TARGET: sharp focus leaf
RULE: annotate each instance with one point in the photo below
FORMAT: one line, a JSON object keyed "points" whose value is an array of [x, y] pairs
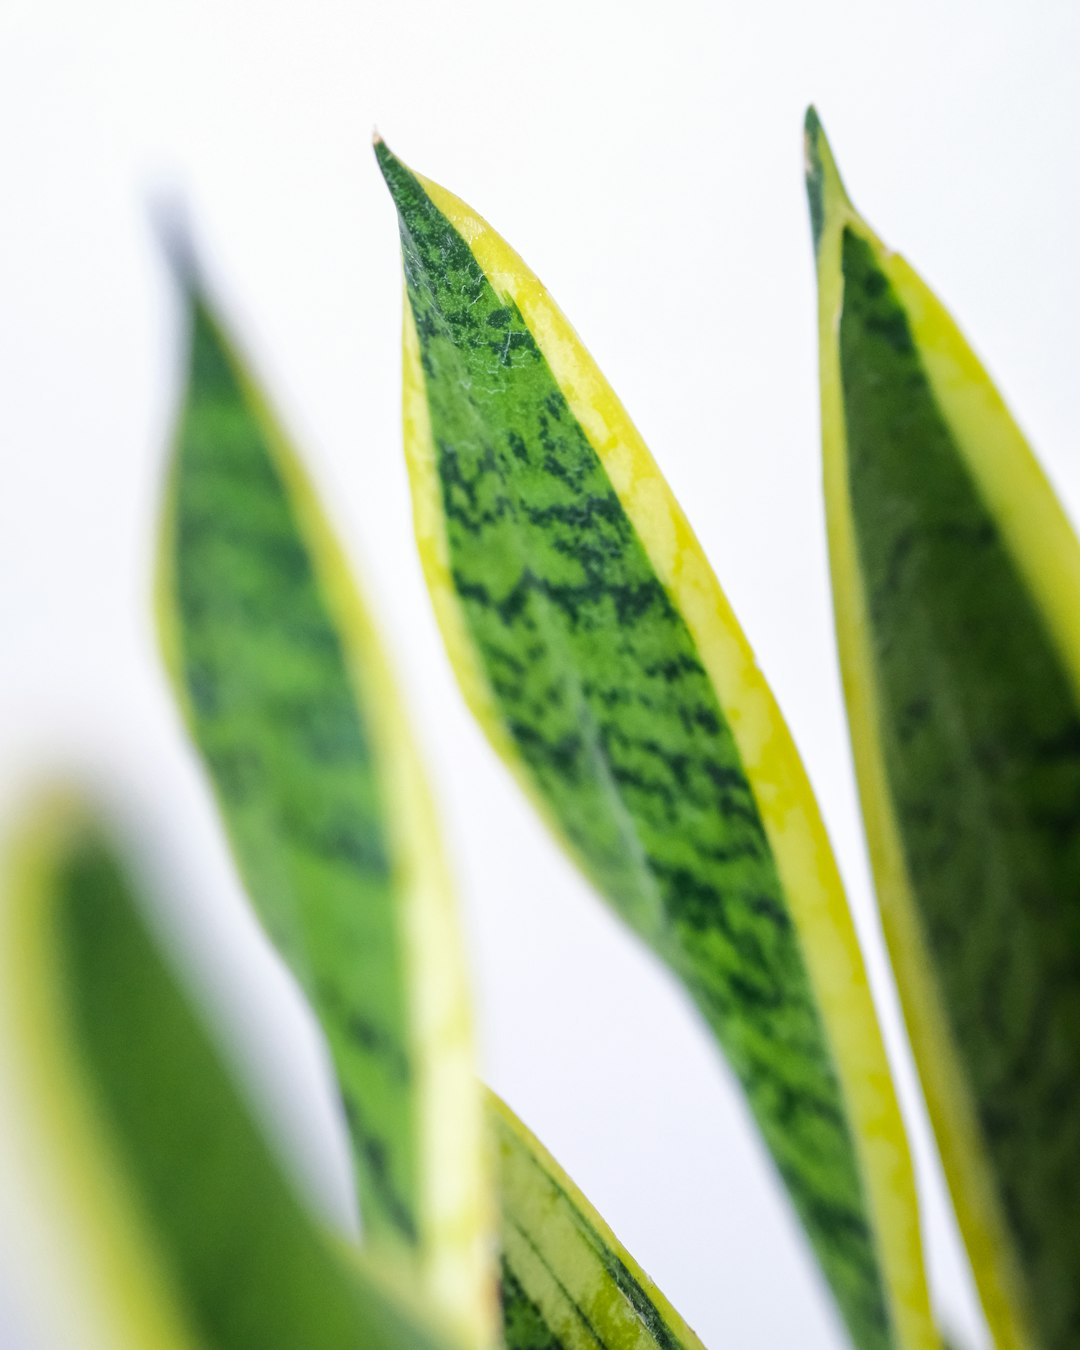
{"points": [[185, 1227], [289, 701], [599, 654], [957, 588], [568, 1283]]}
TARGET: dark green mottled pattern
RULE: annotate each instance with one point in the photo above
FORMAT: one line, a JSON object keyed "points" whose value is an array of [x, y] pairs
{"points": [[249, 1269], [599, 683], [981, 740], [276, 717]]}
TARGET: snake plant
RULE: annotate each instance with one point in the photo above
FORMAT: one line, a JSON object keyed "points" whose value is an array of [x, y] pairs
{"points": [[596, 649]]}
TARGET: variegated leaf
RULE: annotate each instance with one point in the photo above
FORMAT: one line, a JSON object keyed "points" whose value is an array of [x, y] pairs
{"points": [[293, 709], [956, 579], [599, 654]]}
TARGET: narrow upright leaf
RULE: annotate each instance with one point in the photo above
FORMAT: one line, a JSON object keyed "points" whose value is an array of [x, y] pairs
{"points": [[567, 1281], [957, 587], [595, 647], [290, 703], [187, 1234]]}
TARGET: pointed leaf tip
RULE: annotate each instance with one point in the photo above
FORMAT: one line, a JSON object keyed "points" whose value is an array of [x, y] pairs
{"points": [[170, 221], [408, 193], [385, 156], [390, 166], [824, 186]]}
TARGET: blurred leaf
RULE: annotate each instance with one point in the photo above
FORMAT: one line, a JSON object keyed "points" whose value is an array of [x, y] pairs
{"points": [[291, 705], [596, 649], [568, 1283], [183, 1219], [957, 587]]}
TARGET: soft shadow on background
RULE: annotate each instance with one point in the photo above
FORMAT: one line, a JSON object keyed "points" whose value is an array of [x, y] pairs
{"points": [[646, 161]]}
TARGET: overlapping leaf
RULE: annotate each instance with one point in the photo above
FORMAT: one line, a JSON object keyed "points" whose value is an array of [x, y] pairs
{"points": [[597, 650], [186, 1231], [957, 586], [289, 701]]}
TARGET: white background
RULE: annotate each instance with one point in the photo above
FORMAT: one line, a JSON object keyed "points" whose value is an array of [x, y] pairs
{"points": [[646, 160]]}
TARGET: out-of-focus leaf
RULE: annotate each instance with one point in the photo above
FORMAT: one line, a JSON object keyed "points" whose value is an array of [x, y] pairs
{"points": [[567, 1281], [186, 1230], [957, 588], [288, 699], [599, 654]]}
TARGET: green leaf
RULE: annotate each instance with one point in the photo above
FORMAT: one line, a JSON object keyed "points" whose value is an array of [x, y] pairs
{"points": [[595, 647], [290, 703], [957, 592], [185, 1232], [567, 1281]]}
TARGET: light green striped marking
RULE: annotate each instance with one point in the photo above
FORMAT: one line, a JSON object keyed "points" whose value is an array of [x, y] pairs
{"points": [[568, 1283]]}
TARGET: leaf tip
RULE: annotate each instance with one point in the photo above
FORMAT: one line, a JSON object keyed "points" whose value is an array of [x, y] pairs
{"points": [[171, 224], [824, 187], [404, 188], [384, 155]]}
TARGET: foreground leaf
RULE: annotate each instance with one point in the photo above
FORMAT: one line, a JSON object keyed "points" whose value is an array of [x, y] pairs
{"points": [[600, 656], [186, 1231], [568, 1283], [289, 700], [957, 587]]}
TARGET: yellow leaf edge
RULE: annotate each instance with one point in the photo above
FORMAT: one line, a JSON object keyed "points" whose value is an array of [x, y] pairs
{"points": [[785, 800], [1009, 468], [457, 1217]]}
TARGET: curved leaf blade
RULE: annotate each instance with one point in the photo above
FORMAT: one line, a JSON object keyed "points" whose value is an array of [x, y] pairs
{"points": [[956, 579], [186, 1225], [291, 705], [567, 1281], [596, 649]]}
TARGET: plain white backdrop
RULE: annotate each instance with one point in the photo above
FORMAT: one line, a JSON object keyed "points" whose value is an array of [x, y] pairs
{"points": [[646, 160]]}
